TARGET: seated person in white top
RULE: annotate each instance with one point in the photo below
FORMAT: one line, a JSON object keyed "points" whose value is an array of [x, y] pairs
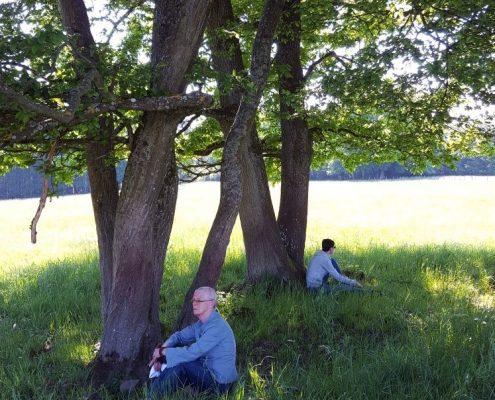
{"points": [[322, 266]]}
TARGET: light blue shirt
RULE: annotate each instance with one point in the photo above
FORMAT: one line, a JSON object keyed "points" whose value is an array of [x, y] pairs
{"points": [[320, 266], [211, 341]]}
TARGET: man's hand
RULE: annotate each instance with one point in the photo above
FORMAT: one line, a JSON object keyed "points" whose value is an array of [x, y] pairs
{"points": [[156, 355], [157, 366]]}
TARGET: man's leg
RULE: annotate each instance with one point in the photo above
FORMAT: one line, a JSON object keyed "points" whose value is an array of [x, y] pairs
{"points": [[325, 286], [169, 380], [192, 373], [198, 376]]}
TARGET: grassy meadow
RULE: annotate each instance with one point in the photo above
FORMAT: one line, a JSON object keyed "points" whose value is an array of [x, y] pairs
{"points": [[427, 332]]}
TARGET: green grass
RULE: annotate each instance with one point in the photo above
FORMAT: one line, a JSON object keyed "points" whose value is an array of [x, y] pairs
{"points": [[427, 332]]}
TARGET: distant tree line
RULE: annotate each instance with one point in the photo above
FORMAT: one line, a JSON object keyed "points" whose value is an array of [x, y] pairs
{"points": [[467, 166], [27, 182], [22, 183]]}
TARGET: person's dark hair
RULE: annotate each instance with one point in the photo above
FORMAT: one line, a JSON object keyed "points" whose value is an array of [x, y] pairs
{"points": [[327, 244]]}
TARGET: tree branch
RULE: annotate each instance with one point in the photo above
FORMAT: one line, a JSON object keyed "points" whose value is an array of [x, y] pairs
{"points": [[183, 104], [206, 169], [28, 134], [77, 93], [188, 124], [30, 105], [44, 193], [328, 54], [206, 151], [122, 18], [271, 154], [186, 103], [65, 116]]}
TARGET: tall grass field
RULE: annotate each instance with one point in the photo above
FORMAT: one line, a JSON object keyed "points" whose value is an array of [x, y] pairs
{"points": [[427, 331]]}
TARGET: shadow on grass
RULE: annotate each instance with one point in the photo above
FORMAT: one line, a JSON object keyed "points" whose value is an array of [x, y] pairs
{"points": [[427, 335], [51, 322]]}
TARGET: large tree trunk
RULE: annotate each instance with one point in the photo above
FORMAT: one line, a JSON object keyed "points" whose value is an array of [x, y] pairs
{"points": [[231, 188], [104, 196], [102, 174], [296, 139], [265, 252], [147, 201], [142, 229]]}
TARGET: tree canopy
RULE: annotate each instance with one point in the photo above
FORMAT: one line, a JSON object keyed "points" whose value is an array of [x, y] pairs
{"points": [[384, 81]]}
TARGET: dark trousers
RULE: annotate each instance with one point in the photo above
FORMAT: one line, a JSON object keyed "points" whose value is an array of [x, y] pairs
{"points": [[193, 374]]}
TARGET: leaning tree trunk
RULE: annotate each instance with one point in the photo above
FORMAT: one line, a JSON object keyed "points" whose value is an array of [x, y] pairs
{"points": [[147, 201], [104, 196], [98, 151], [231, 189], [265, 252], [296, 139]]}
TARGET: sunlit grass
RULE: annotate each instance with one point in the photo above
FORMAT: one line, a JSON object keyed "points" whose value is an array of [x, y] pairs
{"points": [[427, 332]]}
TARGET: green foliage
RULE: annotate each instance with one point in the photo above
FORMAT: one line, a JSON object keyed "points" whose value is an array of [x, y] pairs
{"points": [[372, 110], [39, 64], [401, 81], [206, 133]]}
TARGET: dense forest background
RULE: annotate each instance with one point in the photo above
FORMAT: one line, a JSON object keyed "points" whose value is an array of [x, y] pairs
{"points": [[27, 182]]}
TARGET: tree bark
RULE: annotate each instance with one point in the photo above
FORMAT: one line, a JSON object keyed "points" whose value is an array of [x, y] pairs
{"points": [[104, 196], [231, 188], [146, 204], [149, 192], [296, 139], [142, 228], [265, 252], [101, 173]]}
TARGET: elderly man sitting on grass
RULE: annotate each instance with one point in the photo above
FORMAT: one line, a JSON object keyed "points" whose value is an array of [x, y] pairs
{"points": [[201, 355], [322, 266]]}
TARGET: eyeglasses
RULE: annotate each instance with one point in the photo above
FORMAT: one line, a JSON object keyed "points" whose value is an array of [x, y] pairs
{"points": [[200, 301]]}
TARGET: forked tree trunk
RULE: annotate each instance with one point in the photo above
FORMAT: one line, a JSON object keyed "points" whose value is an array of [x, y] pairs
{"points": [[142, 228], [265, 252], [231, 188], [296, 139], [147, 201]]}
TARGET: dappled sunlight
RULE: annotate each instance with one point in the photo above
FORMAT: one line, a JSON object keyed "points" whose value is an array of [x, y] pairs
{"points": [[484, 302], [81, 352], [422, 317], [442, 283], [461, 287]]}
